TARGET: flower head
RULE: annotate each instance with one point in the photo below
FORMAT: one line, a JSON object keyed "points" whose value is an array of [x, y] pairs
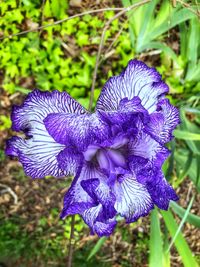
{"points": [[115, 153]]}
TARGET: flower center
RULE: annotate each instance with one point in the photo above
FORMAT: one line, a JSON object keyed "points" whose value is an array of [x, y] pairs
{"points": [[111, 159]]}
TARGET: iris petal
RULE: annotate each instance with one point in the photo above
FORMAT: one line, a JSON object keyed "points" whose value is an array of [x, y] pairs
{"points": [[80, 130], [136, 80], [161, 192], [132, 199], [37, 156], [38, 153], [163, 122], [146, 147], [90, 197]]}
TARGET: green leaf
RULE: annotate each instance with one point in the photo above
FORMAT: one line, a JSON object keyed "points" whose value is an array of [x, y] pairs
{"points": [[183, 39], [148, 19], [181, 157], [191, 218], [198, 169], [186, 168], [175, 18], [188, 126], [97, 247], [163, 47], [181, 224], [47, 9], [180, 242], [22, 90], [193, 72], [156, 252], [186, 135], [193, 41]]}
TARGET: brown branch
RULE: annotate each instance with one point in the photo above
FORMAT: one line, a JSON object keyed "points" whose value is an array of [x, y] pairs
{"points": [[71, 243], [111, 45], [63, 20], [123, 11]]}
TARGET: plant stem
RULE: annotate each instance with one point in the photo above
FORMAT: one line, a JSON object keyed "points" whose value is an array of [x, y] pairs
{"points": [[71, 243]]}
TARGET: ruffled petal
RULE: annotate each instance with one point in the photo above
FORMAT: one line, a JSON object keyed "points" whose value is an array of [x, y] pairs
{"points": [[38, 152], [105, 229], [38, 105], [136, 80], [98, 189], [38, 157], [163, 122], [151, 177], [129, 113], [160, 191], [69, 159], [132, 198], [77, 200], [79, 130], [146, 147], [93, 200]]}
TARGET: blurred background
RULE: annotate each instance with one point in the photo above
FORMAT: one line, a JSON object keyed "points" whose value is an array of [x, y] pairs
{"points": [[165, 35]]}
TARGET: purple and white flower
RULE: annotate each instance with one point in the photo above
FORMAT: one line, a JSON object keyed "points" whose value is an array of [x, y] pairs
{"points": [[116, 153]]}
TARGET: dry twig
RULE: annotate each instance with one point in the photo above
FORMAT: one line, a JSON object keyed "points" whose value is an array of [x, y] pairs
{"points": [[188, 6], [108, 51], [71, 243], [9, 190], [123, 11], [62, 20]]}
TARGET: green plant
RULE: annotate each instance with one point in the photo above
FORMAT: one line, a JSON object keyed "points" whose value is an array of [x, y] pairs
{"points": [[148, 25]]}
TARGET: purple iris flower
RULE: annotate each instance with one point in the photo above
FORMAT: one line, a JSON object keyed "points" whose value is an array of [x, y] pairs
{"points": [[116, 153]]}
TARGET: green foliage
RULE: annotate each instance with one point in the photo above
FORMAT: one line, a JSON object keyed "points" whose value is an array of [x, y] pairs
{"points": [[57, 57], [155, 245], [5, 122], [63, 57], [2, 155], [97, 247], [191, 218], [148, 30], [148, 25], [180, 243]]}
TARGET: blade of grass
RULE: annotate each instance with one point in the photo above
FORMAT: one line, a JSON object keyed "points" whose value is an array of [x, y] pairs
{"points": [[186, 168], [181, 158], [97, 247], [193, 72], [188, 126], [184, 135], [156, 252], [170, 168], [192, 110], [193, 41], [166, 255], [198, 169], [183, 39], [148, 20], [181, 224], [191, 218], [158, 45], [180, 242], [176, 18]]}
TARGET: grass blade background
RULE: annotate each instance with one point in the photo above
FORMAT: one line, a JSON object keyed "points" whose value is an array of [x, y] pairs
{"points": [[156, 244], [181, 223], [180, 242], [97, 247], [186, 135], [191, 218]]}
